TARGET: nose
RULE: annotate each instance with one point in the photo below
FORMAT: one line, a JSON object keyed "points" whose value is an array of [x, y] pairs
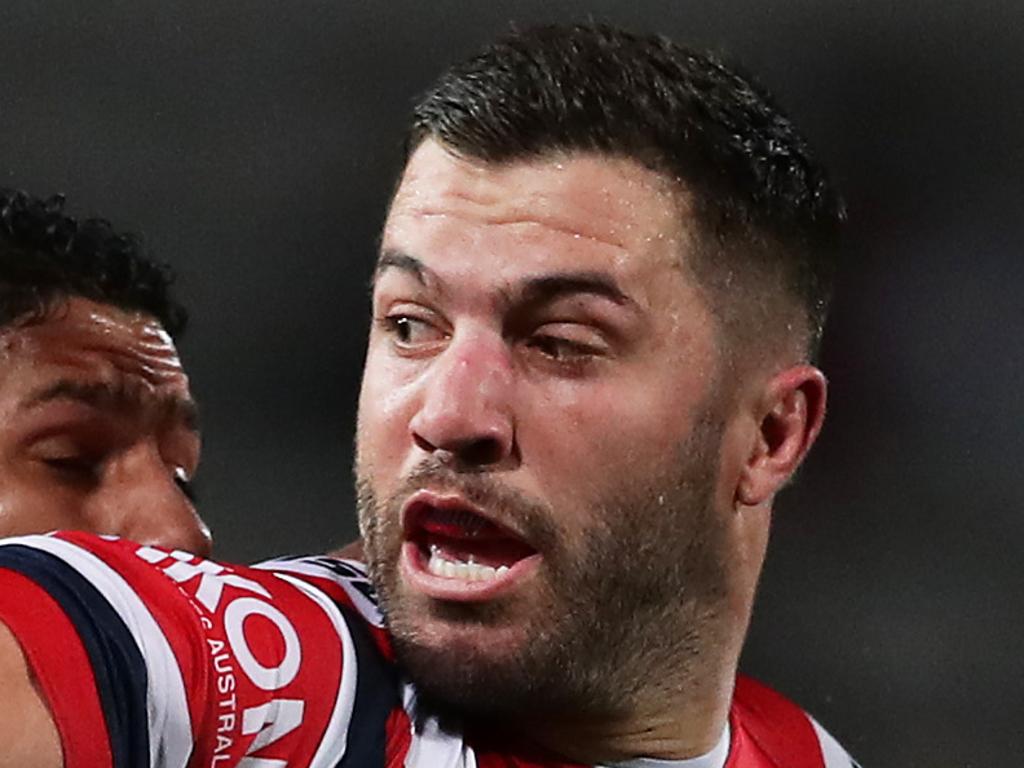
{"points": [[466, 414], [140, 500]]}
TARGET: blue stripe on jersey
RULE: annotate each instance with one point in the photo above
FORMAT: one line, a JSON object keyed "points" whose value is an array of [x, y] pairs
{"points": [[117, 663], [377, 694]]}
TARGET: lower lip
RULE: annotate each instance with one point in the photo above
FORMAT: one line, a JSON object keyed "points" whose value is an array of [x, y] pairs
{"points": [[413, 566]]}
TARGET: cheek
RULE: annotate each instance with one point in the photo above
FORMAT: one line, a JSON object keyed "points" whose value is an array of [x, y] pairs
{"points": [[27, 507], [607, 431], [385, 409], [575, 449]]}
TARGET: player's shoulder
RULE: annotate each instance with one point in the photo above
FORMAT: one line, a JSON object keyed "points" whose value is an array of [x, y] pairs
{"points": [[131, 573], [327, 572], [771, 731], [82, 568], [347, 584], [179, 655]]}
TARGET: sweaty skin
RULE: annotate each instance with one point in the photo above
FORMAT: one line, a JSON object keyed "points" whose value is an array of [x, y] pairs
{"points": [[98, 429], [541, 355], [98, 432]]}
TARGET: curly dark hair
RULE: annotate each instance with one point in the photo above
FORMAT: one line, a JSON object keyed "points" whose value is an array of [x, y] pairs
{"points": [[47, 256], [758, 192]]}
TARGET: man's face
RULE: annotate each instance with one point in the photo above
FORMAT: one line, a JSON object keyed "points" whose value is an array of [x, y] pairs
{"points": [[98, 430], [539, 432]]}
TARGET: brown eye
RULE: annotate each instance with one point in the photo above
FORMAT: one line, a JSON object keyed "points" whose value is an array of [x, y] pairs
{"points": [[404, 328], [410, 332], [568, 342], [562, 349]]}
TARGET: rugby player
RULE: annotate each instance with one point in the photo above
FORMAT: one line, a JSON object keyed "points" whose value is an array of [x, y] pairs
{"points": [[602, 280], [98, 430]]}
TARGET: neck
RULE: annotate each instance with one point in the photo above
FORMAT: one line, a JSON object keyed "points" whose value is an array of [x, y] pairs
{"points": [[668, 725], [678, 709]]}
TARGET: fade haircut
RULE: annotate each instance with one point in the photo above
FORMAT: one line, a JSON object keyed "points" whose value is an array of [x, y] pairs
{"points": [[47, 257], [767, 218]]}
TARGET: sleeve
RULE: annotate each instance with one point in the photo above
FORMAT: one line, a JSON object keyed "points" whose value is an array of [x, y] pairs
{"points": [[149, 657]]}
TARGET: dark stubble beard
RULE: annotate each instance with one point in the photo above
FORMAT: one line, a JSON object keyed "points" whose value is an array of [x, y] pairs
{"points": [[628, 608]]}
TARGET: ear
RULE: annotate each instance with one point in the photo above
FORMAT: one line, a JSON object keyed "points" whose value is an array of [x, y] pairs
{"points": [[791, 411]]}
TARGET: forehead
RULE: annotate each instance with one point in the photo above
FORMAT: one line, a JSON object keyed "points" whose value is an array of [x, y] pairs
{"points": [[585, 210], [85, 340]]}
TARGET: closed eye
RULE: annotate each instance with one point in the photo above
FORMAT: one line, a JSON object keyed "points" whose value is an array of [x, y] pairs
{"points": [[74, 470], [72, 463]]}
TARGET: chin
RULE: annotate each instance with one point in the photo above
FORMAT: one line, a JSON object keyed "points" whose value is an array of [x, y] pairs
{"points": [[465, 678], [464, 662], [456, 634]]}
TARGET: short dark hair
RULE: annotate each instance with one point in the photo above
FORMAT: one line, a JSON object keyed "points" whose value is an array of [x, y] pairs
{"points": [[47, 256], [757, 190]]}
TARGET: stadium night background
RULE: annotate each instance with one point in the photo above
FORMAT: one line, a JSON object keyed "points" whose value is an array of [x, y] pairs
{"points": [[254, 144]]}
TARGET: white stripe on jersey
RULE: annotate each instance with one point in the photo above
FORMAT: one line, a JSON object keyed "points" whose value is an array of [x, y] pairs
{"points": [[835, 756], [430, 747], [335, 738], [367, 608], [170, 728]]}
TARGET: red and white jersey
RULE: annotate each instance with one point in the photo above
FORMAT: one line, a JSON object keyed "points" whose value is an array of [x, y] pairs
{"points": [[156, 658]]}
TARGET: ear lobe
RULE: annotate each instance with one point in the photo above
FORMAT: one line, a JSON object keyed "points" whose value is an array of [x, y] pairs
{"points": [[791, 414]]}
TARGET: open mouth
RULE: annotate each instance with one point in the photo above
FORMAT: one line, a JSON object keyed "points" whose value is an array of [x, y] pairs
{"points": [[452, 551]]}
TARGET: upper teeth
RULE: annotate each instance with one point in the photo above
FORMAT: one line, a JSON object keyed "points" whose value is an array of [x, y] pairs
{"points": [[440, 565]]}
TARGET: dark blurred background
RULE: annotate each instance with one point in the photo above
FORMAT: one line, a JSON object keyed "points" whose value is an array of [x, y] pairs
{"points": [[253, 145]]}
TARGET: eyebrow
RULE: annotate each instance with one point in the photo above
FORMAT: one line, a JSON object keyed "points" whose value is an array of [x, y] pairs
{"points": [[392, 259], [545, 288], [533, 290], [108, 396]]}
